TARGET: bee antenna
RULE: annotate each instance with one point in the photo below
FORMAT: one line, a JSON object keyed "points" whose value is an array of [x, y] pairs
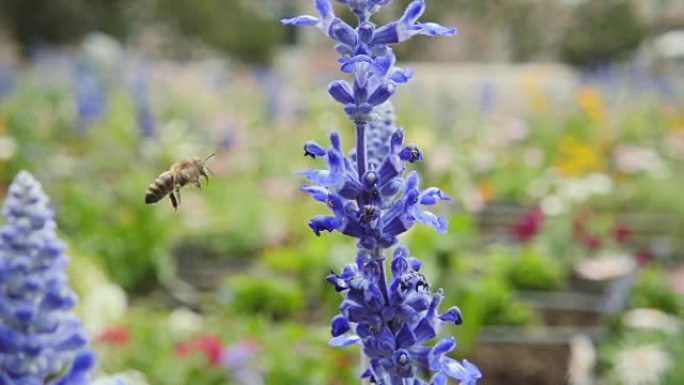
{"points": [[207, 158]]}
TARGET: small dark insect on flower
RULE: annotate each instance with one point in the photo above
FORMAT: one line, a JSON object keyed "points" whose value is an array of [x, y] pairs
{"points": [[172, 180], [369, 213]]}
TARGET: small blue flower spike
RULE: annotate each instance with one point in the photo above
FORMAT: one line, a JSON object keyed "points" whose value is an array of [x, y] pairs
{"points": [[373, 199], [41, 341]]}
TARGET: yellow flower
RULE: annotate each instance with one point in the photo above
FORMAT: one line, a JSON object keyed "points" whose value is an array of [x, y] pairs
{"points": [[487, 191], [590, 101], [531, 87], [578, 158]]}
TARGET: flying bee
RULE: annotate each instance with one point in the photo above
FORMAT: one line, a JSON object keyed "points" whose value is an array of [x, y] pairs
{"points": [[172, 180]]}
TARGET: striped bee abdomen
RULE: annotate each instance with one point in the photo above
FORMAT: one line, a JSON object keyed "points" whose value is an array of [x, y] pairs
{"points": [[159, 188]]}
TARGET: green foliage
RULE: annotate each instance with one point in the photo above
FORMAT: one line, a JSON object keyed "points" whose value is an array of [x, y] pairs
{"points": [[489, 301], [296, 354], [228, 25], [653, 290], [498, 304], [131, 240], [675, 375], [308, 264], [215, 245], [62, 21], [534, 270], [602, 31], [273, 297], [233, 203]]}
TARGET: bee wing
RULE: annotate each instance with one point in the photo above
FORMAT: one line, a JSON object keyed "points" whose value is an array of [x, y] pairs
{"points": [[174, 202]]}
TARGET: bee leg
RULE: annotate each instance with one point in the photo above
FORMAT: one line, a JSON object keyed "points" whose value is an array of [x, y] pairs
{"points": [[178, 194], [174, 202], [197, 183]]}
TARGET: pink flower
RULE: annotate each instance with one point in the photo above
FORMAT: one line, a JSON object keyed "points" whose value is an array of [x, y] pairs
{"points": [[622, 233], [116, 335], [528, 226], [210, 346]]}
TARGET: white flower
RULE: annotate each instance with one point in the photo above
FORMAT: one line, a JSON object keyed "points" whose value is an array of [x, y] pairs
{"points": [[534, 156], [632, 159], [130, 377], [102, 51], [641, 365], [582, 361], [574, 190], [483, 159], [441, 160], [8, 147], [578, 190], [674, 144], [102, 306], [110, 380], [607, 265], [516, 130], [472, 199], [600, 184], [651, 319], [184, 322], [553, 205]]}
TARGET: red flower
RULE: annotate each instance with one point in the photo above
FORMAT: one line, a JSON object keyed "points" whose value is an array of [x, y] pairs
{"points": [[592, 242], [622, 233], [581, 233], [644, 258], [528, 226], [210, 346], [116, 335]]}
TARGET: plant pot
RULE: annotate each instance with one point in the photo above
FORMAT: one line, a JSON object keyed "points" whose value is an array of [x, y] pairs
{"points": [[569, 309], [614, 292], [592, 306], [205, 272], [528, 356]]}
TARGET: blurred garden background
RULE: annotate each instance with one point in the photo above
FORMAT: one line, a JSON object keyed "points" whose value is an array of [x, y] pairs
{"points": [[557, 126]]}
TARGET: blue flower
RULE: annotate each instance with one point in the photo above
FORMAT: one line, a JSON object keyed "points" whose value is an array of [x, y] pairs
{"points": [[408, 26], [91, 97], [370, 208], [393, 328], [140, 92], [364, 51], [382, 127], [40, 338], [8, 79], [372, 199], [363, 9]]}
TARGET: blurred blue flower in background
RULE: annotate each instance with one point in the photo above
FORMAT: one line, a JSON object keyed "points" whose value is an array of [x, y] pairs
{"points": [[140, 90], [372, 200], [8, 79], [91, 96], [41, 341]]}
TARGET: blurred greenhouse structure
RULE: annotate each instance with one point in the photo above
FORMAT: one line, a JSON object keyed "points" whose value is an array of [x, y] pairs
{"points": [[556, 126]]}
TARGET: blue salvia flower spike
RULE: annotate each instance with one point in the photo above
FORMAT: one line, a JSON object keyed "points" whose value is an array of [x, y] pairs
{"points": [[41, 341], [395, 316]]}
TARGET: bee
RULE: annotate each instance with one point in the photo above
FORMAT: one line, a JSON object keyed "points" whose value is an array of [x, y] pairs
{"points": [[369, 213], [170, 181]]}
